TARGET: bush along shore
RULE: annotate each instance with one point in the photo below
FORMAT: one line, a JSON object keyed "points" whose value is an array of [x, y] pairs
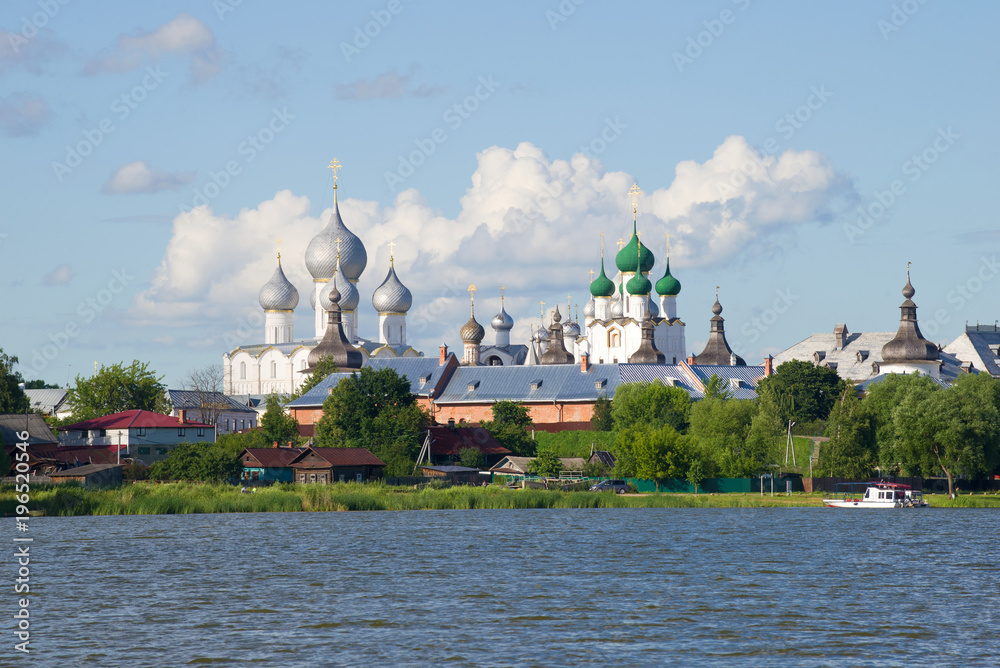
{"points": [[179, 497]]}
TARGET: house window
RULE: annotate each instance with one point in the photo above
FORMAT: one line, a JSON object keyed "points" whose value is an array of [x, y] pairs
{"points": [[227, 424], [302, 477], [359, 477], [201, 431], [141, 431], [243, 370], [181, 431], [143, 451], [161, 451], [341, 477], [312, 477]]}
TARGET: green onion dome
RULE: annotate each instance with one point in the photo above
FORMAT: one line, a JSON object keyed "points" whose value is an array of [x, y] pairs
{"points": [[634, 253], [639, 285], [602, 285], [668, 286]]}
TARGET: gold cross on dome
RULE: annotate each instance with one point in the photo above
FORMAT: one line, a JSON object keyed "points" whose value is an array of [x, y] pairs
{"points": [[668, 244], [334, 167], [620, 243], [716, 293], [472, 290], [602, 244], [635, 194], [502, 288], [278, 241], [541, 312], [591, 275], [392, 246]]}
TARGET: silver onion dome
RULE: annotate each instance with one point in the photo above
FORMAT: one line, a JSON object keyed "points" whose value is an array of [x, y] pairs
{"points": [[590, 308], [312, 299], [502, 322], [278, 294], [571, 330], [349, 295], [392, 296], [617, 307], [321, 254], [652, 308]]}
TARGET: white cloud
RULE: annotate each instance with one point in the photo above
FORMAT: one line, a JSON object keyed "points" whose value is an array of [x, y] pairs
{"points": [[527, 221], [23, 114], [184, 35], [387, 85], [138, 177], [61, 275]]}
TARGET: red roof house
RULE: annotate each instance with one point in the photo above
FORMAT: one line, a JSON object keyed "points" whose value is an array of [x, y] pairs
{"points": [[142, 435]]}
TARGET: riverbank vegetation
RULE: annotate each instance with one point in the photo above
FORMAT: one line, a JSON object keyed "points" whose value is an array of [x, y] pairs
{"points": [[144, 498]]}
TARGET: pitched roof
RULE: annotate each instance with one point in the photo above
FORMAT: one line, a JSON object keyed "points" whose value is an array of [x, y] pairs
{"points": [[47, 400], [192, 399], [272, 457], [341, 456], [133, 419], [979, 344], [520, 464], [423, 373], [75, 454], [604, 457], [541, 383], [450, 440], [83, 470], [38, 430]]}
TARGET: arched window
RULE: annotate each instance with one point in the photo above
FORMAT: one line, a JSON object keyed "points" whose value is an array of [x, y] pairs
{"points": [[243, 370], [614, 338]]}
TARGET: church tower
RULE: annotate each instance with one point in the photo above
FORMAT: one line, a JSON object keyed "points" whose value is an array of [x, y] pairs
{"points": [[278, 297], [392, 300], [472, 334]]}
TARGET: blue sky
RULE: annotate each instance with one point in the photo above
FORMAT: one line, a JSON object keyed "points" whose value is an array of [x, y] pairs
{"points": [[756, 131]]}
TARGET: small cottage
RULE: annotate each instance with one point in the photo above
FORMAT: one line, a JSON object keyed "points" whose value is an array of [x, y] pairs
{"points": [[327, 465], [90, 475]]}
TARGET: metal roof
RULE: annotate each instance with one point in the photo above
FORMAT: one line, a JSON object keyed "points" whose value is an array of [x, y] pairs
{"points": [[272, 457], [87, 469], [195, 400], [424, 373], [746, 375], [47, 400], [547, 382], [341, 456], [673, 374], [978, 344], [38, 430], [132, 419]]}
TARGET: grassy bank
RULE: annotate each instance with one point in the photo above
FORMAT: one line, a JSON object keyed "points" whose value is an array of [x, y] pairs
{"points": [[178, 498]]}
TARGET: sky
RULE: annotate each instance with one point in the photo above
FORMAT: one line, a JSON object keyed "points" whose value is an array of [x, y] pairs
{"points": [[798, 154]]}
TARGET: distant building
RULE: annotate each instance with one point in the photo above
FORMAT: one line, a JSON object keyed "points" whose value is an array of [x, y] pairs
{"points": [[142, 435], [978, 349], [228, 414], [268, 464], [329, 465], [13, 425], [90, 475], [50, 402]]}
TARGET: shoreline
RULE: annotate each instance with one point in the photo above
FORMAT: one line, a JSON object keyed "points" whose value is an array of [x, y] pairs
{"points": [[144, 498]]}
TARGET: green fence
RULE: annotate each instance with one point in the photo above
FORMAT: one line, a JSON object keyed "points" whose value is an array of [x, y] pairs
{"points": [[718, 485]]}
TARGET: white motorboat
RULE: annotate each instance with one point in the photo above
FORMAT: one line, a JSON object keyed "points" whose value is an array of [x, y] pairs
{"points": [[876, 495]]}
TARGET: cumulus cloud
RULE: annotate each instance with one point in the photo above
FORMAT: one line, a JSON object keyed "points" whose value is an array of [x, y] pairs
{"points": [[527, 221], [23, 114], [139, 177], [61, 275], [387, 85], [184, 35]]}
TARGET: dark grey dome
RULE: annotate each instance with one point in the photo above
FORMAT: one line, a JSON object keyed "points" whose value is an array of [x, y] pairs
{"points": [[472, 331], [278, 294], [321, 254], [392, 296]]}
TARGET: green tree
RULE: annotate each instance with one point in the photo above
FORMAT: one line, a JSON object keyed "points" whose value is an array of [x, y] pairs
{"points": [[39, 385], [374, 410], [802, 391], [602, 420], [12, 397], [696, 474], [721, 428], [955, 431], [767, 434], [881, 402], [653, 404], [852, 451], [653, 453], [546, 464], [118, 388], [510, 425], [472, 458], [716, 388], [236, 442], [277, 425], [207, 462], [324, 367]]}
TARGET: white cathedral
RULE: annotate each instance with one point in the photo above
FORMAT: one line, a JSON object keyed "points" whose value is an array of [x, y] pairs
{"points": [[622, 322], [334, 257]]}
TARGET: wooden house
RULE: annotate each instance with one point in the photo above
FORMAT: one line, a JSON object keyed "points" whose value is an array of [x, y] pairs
{"points": [[91, 474], [268, 465], [327, 465]]}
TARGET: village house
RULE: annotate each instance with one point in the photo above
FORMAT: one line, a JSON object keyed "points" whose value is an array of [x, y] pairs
{"points": [[268, 465], [228, 414], [142, 435], [327, 465], [90, 475]]}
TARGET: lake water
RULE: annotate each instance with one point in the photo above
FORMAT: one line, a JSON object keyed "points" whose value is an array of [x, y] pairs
{"points": [[804, 587]]}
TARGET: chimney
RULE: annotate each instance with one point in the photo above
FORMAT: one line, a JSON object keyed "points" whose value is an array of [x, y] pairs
{"points": [[290, 444], [275, 444], [769, 365], [444, 355], [690, 360], [182, 415], [840, 335], [584, 363]]}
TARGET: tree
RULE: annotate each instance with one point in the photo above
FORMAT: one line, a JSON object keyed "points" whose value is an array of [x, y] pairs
{"points": [[39, 385], [473, 458], [852, 451], [716, 388], [237, 442], [955, 431], [12, 397], [118, 388], [654, 453], [881, 402], [721, 428], [767, 433], [197, 461], [509, 427], [374, 410], [803, 392], [277, 425], [602, 419], [206, 383], [546, 464], [325, 365], [696, 473], [653, 404]]}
